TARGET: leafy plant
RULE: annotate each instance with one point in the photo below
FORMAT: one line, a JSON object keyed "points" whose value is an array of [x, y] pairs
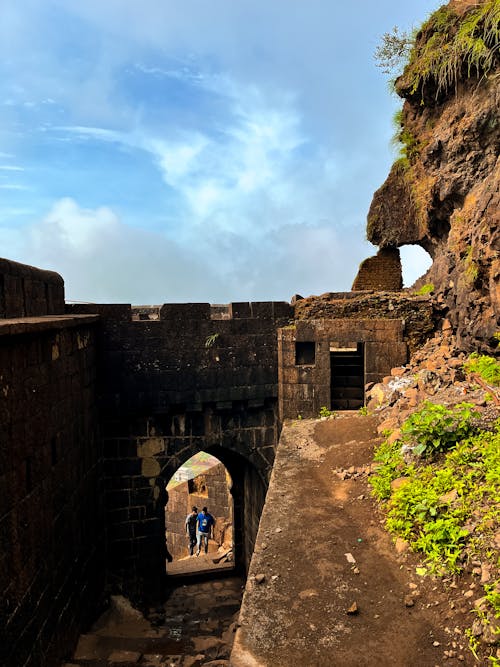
{"points": [[485, 366], [325, 412], [428, 288], [391, 466], [210, 340], [435, 428], [432, 508], [448, 510]]}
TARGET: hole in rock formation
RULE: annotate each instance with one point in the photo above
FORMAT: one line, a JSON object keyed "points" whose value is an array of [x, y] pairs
{"points": [[415, 262]]}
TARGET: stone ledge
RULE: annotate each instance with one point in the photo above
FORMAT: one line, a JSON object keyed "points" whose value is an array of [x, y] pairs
{"points": [[26, 325]]}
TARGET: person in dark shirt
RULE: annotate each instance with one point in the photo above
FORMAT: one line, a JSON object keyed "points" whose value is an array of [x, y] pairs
{"points": [[191, 523], [206, 524]]}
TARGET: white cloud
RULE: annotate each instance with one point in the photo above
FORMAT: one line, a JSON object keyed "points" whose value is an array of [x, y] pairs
{"points": [[76, 230], [267, 183], [225, 178], [10, 167], [177, 159], [101, 259]]}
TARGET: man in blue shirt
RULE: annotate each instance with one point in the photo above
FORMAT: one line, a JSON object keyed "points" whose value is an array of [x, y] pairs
{"points": [[206, 524]]}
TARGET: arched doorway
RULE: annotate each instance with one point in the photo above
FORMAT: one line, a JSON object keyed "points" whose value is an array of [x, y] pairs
{"points": [[201, 482]]}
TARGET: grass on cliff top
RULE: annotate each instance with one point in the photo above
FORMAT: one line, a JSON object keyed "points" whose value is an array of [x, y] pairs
{"points": [[449, 46], [446, 502]]}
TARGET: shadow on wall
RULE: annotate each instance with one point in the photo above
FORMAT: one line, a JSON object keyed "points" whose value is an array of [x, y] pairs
{"points": [[202, 481]]}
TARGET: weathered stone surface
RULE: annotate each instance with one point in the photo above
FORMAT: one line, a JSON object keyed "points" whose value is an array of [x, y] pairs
{"points": [[50, 487], [382, 272], [301, 618], [26, 291], [446, 199], [123, 657], [417, 312], [204, 644]]}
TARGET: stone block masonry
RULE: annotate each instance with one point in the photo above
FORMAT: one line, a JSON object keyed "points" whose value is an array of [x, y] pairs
{"points": [[28, 292], [176, 380], [51, 519], [307, 385], [100, 405], [382, 272]]}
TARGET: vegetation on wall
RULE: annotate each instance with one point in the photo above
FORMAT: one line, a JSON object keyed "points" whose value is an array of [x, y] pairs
{"points": [[405, 141], [428, 288]]}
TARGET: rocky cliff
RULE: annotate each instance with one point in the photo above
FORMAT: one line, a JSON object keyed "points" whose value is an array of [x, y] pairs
{"points": [[443, 193]]}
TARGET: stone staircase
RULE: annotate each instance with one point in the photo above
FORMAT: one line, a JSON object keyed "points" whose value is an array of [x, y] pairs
{"points": [[194, 627]]}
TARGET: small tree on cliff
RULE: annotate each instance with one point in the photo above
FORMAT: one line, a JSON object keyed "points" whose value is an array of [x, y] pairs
{"points": [[393, 52]]}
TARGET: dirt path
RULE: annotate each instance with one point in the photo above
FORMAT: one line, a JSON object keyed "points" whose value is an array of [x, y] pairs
{"points": [[335, 592]]}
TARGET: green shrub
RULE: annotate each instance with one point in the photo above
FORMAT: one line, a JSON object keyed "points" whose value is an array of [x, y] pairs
{"points": [[325, 412], [431, 510], [391, 467], [485, 366], [428, 288], [435, 428]]}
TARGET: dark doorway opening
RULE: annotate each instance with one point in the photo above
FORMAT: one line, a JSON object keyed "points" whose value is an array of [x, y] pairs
{"points": [[347, 377]]}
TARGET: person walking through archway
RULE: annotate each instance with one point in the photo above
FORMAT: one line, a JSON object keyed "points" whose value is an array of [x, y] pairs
{"points": [[191, 523], [206, 524]]}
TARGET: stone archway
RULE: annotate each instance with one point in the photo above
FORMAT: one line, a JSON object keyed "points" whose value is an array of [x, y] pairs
{"points": [[203, 481], [248, 493]]}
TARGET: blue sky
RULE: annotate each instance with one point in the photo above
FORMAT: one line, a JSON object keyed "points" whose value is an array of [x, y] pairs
{"points": [[161, 151]]}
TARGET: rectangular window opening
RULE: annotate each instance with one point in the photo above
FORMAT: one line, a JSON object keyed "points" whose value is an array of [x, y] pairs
{"points": [[305, 353]]}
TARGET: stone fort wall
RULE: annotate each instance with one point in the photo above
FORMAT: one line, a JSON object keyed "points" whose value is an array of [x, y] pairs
{"points": [[26, 291], [51, 514], [99, 406], [175, 380]]}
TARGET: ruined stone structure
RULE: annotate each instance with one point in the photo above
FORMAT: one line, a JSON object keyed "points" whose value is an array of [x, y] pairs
{"points": [[327, 363], [192, 380], [52, 569], [27, 292], [100, 404], [382, 272], [444, 195]]}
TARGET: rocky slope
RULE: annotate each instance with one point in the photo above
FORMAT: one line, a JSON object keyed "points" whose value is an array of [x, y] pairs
{"points": [[438, 374], [444, 192]]}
